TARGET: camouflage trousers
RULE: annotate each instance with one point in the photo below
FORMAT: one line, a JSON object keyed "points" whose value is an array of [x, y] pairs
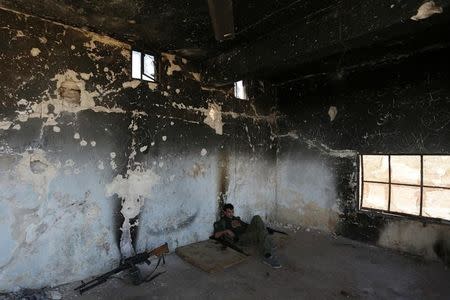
{"points": [[256, 234]]}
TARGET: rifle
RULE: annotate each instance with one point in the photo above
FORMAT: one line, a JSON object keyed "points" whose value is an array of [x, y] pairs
{"points": [[229, 244], [271, 231], [129, 263]]}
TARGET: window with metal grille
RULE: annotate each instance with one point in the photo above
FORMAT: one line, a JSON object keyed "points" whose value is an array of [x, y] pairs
{"points": [[407, 184], [143, 66]]}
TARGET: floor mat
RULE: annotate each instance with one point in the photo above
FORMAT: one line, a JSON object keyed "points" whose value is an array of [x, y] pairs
{"points": [[210, 256]]}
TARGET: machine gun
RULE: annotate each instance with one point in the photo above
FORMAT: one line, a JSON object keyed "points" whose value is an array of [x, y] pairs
{"points": [[129, 264]]}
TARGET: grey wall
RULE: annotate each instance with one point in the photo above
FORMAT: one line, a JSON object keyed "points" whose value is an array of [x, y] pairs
{"points": [[93, 162]]}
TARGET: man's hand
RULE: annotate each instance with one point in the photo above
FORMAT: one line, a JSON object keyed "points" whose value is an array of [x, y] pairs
{"points": [[229, 233], [235, 223], [224, 232]]}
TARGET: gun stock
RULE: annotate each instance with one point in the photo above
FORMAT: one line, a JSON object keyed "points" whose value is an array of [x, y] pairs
{"points": [[161, 250], [126, 264]]}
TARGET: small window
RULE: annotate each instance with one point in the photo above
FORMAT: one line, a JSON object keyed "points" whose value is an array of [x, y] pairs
{"points": [[416, 185], [143, 66], [239, 90]]}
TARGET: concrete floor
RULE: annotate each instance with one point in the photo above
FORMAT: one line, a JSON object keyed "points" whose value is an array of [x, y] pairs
{"points": [[315, 266]]}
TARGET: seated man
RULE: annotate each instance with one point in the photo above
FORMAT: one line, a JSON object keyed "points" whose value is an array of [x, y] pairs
{"points": [[232, 228]]}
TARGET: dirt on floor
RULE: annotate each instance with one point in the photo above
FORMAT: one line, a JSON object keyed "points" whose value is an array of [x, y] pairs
{"points": [[315, 266]]}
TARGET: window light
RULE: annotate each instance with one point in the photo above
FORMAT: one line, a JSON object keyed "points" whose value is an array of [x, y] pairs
{"points": [[143, 66], [406, 184], [239, 90]]}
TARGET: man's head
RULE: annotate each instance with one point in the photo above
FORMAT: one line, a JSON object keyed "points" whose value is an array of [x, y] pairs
{"points": [[228, 210]]}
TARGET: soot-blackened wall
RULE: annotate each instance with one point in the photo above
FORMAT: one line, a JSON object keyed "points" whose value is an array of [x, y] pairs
{"points": [[93, 162], [327, 121]]}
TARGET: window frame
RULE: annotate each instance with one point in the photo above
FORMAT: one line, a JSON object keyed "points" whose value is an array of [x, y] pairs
{"points": [[244, 89], [156, 59], [360, 192]]}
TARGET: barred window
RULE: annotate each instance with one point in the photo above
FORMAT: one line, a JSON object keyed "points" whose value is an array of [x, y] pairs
{"points": [[406, 184]]}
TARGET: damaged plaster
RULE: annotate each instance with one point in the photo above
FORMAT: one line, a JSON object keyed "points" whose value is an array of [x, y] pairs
{"points": [[35, 51], [34, 169], [332, 112], [426, 10], [214, 118], [173, 67], [133, 189], [131, 84]]}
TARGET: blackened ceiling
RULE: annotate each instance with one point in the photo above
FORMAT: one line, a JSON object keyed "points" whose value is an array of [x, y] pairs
{"points": [[181, 26], [274, 39]]}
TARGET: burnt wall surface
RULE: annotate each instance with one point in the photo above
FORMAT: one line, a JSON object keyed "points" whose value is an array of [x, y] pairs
{"points": [[328, 120], [95, 165]]}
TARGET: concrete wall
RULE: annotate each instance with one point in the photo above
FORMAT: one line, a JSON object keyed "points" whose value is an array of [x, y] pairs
{"points": [[327, 120], [93, 163]]}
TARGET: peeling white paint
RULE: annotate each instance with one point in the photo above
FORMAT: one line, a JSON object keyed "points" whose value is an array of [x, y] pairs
{"points": [[126, 53], [60, 104], [173, 67], [268, 118], [131, 84], [133, 189], [35, 51], [22, 116], [291, 134], [332, 112], [4, 125], [152, 85], [22, 102], [69, 163], [34, 169], [86, 76], [214, 117], [426, 10], [196, 76]]}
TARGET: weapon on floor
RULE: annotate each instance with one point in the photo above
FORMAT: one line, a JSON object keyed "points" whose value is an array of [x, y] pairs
{"points": [[229, 244], [129, 264], [271, 231]]}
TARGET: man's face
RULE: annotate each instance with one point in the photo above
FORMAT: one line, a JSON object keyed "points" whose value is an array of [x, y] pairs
{"points": [[229, 213]]}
